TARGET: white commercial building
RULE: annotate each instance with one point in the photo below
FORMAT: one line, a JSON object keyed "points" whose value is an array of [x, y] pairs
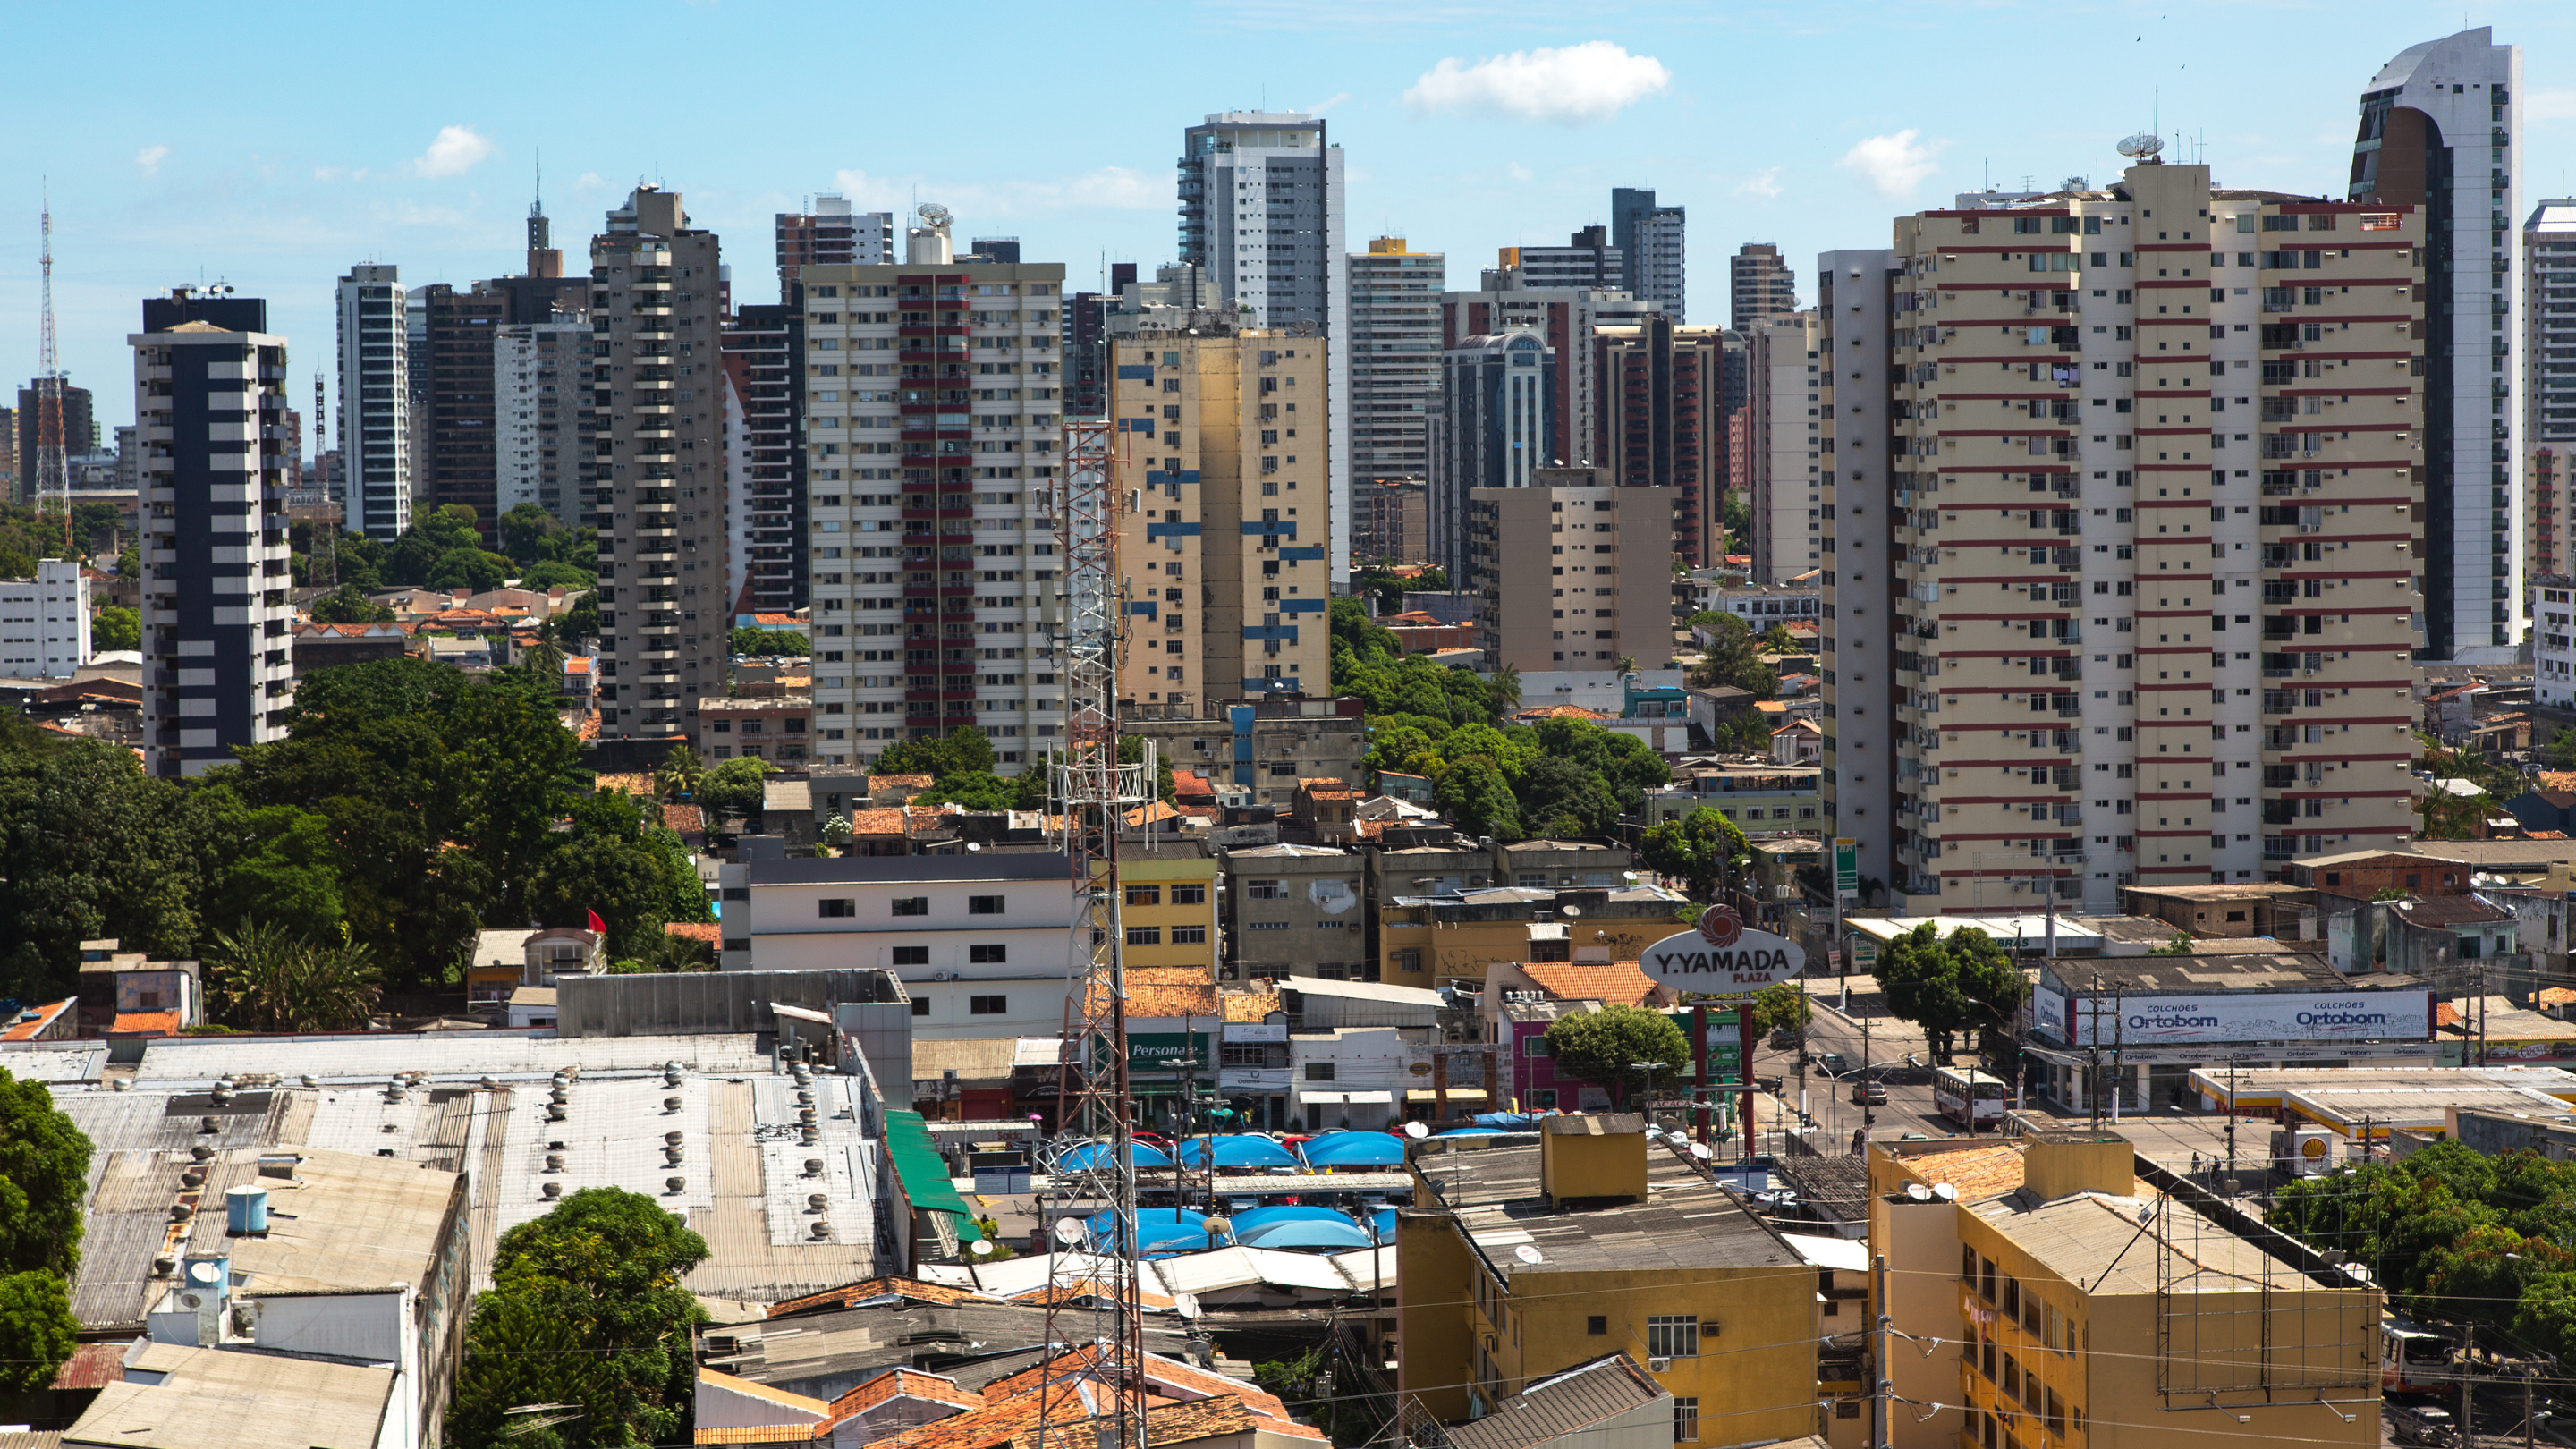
{"points": [[540, 382], [44, 622], [2439, 127], [981, 942], [1394, 347], [1261, 210], [375, 403], [1786, 448], [2548, 399]]}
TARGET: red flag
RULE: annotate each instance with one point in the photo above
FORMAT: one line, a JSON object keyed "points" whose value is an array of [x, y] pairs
{"points": [[597, 925]]}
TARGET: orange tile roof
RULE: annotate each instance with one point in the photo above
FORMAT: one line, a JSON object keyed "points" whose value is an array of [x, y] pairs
{"points": [[2556, 996], [577, 664], [144, 1023], [686, 819], [1161, 991], [45, 1014], [997, 1423], [911, 1383], [914, 783], [711, 932], [877, 822], [1250, 1005], [764, 1433], [1088, 1288], [633, 782], [1559, 711], [1153, 814], [1979, 1173], [778, 621], [1621, 983], [849, 1293]]}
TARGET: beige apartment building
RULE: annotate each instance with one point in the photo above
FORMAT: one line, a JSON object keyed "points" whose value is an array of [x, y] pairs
{"points": [[2122, 568], [1784, 414], [1223, 544], [933, 419], [658, 475], [1574, 573]]}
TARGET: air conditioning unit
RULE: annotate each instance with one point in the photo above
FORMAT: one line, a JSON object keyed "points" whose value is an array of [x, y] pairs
{"points": [[1659, 1365]]}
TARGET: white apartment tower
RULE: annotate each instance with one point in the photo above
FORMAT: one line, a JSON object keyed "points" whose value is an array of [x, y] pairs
{"points": [[44, 622], [1261, 210], [210, 414], [1786, 448], [2121, 570], [2439, 130], [934, 414], [540, 400], [1394, 348], [375, 403]]}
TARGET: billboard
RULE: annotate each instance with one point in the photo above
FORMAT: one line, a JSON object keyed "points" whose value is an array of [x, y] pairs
{"points": [[1719, 960], [2270, 1016]]}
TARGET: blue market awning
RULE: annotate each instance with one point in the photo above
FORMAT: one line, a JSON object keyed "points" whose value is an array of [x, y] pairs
{"points": [[1355, 1149], [1242, 1150]]}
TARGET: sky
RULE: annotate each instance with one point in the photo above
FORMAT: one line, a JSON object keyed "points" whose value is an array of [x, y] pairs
{"points": [[275, 149]]}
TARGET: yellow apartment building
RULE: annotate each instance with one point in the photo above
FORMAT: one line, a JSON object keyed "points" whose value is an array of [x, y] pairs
{"points": [[1519, 1262], [1169, 906]]}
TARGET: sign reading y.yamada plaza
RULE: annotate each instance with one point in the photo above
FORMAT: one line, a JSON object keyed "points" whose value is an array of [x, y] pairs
{"points": [[1720, 960]]}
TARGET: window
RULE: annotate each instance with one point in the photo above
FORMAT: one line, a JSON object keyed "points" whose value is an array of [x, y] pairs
{"points": [[1685, 1419], [988, 1005], [1672, 1335], [1264, 890], [1189, 935], [1534, 1045], [1144, 935], [836, 908], [1319, 1071], [912, 905], [1144, 895], [1409, 959], [912, 955], [983, 905], [1597, 1325], [988, 955], [921, 1006], [1189, 895]]}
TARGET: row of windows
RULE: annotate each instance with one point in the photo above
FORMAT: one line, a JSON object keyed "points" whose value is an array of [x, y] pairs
{"points": [[975, 1006], [990, 954], [846, 907], [1153, 935], [1152, 895]]}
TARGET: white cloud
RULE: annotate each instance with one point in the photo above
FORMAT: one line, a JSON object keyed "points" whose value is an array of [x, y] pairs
{"points": [[1894, 164], [453, 152], [589, 181], [1517, 171], [2549, 106], [1574, 84], [1118, 188], [149, 159], [1322, 106], [1764, 183]]}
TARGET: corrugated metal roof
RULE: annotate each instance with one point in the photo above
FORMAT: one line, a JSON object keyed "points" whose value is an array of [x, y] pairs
{"points": [[1566, 1404], [218, 1400]]}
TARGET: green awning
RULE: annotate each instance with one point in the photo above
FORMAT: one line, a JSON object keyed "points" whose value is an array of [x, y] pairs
{"points": [[923, 1174]]}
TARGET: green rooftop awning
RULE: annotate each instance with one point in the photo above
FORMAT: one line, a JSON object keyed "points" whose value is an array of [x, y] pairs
{"points": [[922, 1173]]}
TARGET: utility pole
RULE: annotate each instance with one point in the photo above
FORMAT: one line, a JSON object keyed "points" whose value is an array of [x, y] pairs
{"points": [[1882, 1388], [2093, 1050], [2119, 1071], [2231, 1116], [2468, 1347]]}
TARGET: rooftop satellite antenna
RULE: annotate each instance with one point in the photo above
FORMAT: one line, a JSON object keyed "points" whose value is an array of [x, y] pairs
{"points": [[1918, 1192], [932, 213], [2143, 146], [1945, 1192], [1528, 1254]]}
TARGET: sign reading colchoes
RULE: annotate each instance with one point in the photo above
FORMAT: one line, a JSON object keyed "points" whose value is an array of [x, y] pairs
{"points": [[1722, 961]]}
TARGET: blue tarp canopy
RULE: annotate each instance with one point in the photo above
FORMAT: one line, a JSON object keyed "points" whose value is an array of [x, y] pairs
{"points": [[1310, 1233], [1510, 1121], [1241, 1150], [1471, 1132], [1096, 1154], [1355, 1149], [1383, 1221], [1251, 1219], [1155, 1228]]}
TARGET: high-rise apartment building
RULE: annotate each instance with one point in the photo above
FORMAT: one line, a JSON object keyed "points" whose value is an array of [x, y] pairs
{"points": [[541, 417], [2121, 573], [1496, 427], [833, 233], [9, 454], [2549, 391], [457, 463], [1607, 555], [1086, 344], [657, 470], [1394, 347], [1658, 422], [1759, 285], [2439, 127], [934, 474], [210, 403], [1222, 556], [1784, 449], [1587, 261], [1261, 210], [80, 432], [1651, 250], [1394, 523], [44, 622], [375, 403], [1567, 318], [765, 458]]}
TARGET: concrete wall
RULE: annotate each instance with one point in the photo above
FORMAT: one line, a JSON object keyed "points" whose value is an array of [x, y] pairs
{"points": [[687, 1003]]}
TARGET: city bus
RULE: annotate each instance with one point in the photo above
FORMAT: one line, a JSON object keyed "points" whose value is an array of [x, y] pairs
{"points": [[1968, 1097]]}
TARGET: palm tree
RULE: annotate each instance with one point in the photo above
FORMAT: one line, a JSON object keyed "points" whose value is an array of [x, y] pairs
{"points": [[680, 774], [1627, 664], [1505, 687], [270, 979]]}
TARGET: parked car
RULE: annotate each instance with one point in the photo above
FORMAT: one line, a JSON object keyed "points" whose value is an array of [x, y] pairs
{"points": [[1868, 1094], [1832, 1064]]}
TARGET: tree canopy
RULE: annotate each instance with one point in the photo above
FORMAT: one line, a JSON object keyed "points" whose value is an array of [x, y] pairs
{"points": [[1949, 985], [1605, 1047], [1734, 659], [751, 639], [1699, 848], [44, 1167]]}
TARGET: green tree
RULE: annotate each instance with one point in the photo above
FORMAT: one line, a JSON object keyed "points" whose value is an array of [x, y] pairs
{"points": [[962, 751], [44, 1171], [412, 557], [115, 627], [1778, 640], [1734, 659], [979, 790], [733, 789], [2560, 752], [612, 860], [347, 605], [1781, 1005], [469, 568], [268, 979], [553, 575], [38, 1333], [1477, 797], [1560, 798], [1605, 1048], [579, 622], [586, 1309], [16, 563], [663, 952], [1504, 688], [279, 864], [753, 640], [523, 532], [678, 776], [1949, 985], [1699, 848], [129, 564]]}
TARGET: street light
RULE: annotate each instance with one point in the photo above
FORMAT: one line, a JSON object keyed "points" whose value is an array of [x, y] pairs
{"points": [[1646, 1076]]}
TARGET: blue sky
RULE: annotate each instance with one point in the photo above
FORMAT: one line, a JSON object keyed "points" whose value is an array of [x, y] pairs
{"points": [[275, 147]]}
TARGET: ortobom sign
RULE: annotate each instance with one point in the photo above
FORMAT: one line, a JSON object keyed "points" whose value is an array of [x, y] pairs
{"points": [[2279, 1016], [1722, 961]]}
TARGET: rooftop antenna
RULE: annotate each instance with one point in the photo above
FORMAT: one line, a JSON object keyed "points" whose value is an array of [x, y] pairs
{"points": [[52, 485]]}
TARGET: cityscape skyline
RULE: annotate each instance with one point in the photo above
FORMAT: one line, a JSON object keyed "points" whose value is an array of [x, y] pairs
{"points": [[1461, 141]]}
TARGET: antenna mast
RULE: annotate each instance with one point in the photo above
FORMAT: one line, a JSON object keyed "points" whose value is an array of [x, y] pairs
{"points": [[52, 485], [322, 485], [1103, 1384]]}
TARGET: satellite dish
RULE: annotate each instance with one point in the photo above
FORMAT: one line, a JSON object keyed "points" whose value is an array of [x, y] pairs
{"points": [[2140, 147], [1527, 1254], [982, 1246], [1416, 1130], [2146, 1213], [1918, 1192], [1627, 875], [207, 1273], [1188, 1303], [1570, 911], [1945, 1192], [971, 845], [1700, 1151], [933, 214], [1068, 1231]]}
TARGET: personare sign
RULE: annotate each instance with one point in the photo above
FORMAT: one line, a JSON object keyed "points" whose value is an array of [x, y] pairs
{"points": [[2276, 1016], [1720, 960]]}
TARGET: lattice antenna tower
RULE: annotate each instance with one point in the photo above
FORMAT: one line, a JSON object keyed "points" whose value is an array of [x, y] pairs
{"points": [[51, 488], [1093, 1310]]}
